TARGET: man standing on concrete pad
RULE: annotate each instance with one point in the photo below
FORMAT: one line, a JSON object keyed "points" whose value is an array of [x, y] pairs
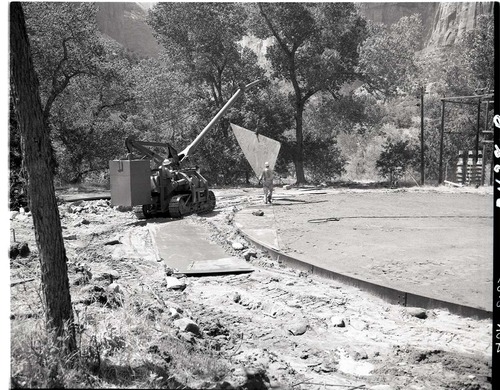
{"points": [[267, 175]]}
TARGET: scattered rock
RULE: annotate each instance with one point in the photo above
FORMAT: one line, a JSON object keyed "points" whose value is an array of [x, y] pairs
{"points": [[81, 280], [187, 325], [294, 303], [172, 283], [110, 275], [24, 249], [14, 251], [249, 254], [327, 366], [287, 187], [237, 245], [168, 271], [417, 312], [258, 213], [85, 222], [358, 324], [19, 249], [123, 208], [91, 288], [174, 314], [114, 288], [236, 297], [357, 353], [337, 322], [215, 329], [187, 337], [14, 214], [298, 328], [112, 242], [70, 237]]}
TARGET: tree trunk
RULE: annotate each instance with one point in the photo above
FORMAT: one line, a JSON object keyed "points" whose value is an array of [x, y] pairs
{"points": [[299, 147], [35, 145]]}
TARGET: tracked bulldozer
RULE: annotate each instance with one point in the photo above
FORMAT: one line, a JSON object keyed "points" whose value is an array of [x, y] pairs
{"points": [[164, 185]]}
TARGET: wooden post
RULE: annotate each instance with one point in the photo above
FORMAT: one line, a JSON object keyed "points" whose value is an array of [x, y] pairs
{"points": [[441, 144], [483, 168], [422, 164], [477, 132]]}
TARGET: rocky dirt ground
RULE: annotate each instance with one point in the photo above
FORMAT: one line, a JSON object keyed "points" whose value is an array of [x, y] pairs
{"points": [[140, 326]]}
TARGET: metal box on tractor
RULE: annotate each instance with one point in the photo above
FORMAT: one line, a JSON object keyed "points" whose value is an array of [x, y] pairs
{"points": [[164, 185]]}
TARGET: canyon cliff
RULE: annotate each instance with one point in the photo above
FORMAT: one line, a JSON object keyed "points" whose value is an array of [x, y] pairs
{"points": [[444, 23], [126, 24]]}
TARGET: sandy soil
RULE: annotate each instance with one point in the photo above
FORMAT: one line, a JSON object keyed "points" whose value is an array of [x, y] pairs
{"points": [[275, 327], [433, 243]]}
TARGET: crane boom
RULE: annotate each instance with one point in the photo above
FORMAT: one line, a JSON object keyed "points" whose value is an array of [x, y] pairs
{"points": [[186, 152]]}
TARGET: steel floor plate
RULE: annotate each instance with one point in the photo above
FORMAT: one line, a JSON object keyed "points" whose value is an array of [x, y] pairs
{"points": [[187, 248]]}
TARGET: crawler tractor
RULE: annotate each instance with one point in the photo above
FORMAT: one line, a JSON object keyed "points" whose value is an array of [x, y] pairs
{"points": [[164, 185]]}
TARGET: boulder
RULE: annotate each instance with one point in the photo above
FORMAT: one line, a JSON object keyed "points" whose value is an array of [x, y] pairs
{"points": [[237, 245], [123, 208], [298, 328], [417, 312], [14, 251], [110, 275], [187, 325], [19, 249], [236, 297], [337, 322], [114, 288], [112, 242], [249, 254], [172, 283]]}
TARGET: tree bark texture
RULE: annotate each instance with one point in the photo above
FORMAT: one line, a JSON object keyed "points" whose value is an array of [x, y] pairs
{"points": [[299, 148], [35, 145]]}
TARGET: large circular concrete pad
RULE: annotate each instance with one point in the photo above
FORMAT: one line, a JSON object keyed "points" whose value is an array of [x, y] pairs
{"points": [[430, 243]]}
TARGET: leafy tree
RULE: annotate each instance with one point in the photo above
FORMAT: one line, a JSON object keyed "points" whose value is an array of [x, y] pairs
{"points": [[83, 83], [325, 161], [470, 63], [479, 53], [65, 45], [314, 49], [201, 42], [166, 104], [36, 152], [387, 57], [395, 159]]}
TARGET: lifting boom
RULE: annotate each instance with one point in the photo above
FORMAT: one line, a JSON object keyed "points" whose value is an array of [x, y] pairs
{"points": [[167, 187]]}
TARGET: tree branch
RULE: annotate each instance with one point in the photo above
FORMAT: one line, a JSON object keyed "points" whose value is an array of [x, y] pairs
{"points": [[273, 31]]}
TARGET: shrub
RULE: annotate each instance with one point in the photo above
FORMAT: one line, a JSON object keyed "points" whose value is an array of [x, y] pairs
{"points": [[396, 159]]}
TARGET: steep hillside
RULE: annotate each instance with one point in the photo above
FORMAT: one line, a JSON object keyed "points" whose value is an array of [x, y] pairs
{"points": [[444, 23], [126, 23]]}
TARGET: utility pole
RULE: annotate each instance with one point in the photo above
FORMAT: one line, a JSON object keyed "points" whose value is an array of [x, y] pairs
{"points": [[441, 143], [422, 135], [477, 130]]}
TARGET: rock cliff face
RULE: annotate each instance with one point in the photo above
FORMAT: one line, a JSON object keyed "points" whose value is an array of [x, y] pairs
{"points": [[126, 23], [444, 23], [453, 20]]}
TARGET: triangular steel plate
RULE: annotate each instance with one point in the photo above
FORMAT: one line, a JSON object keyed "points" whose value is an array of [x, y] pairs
{"points": [[257, 148]]}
